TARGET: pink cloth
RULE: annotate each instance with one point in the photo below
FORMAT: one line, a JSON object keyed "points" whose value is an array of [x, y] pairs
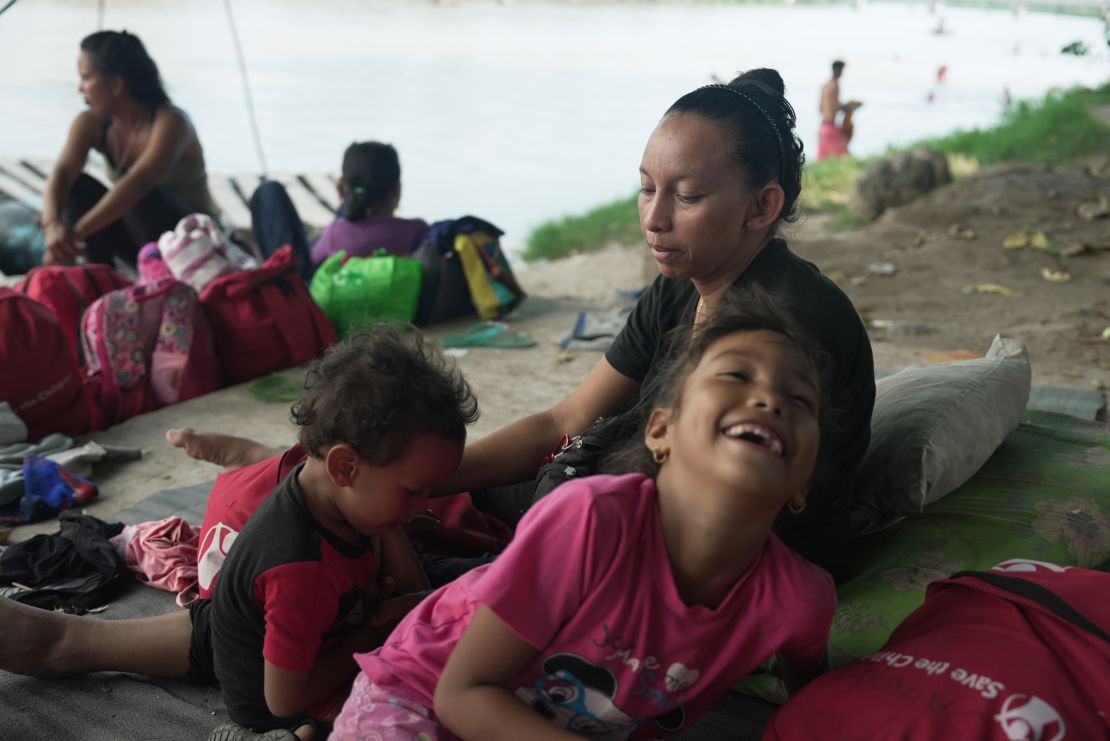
{"points": [[587, 581], [163, 554], [831, 141], [371, 713]]}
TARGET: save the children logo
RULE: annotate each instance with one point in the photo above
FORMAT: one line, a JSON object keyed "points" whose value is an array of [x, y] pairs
{"points": [[1029, 566], [213, 550], [1029, 718]]}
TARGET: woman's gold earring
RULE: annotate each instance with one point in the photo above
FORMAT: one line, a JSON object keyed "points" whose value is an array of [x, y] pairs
{"points": [[796, 509], [659, 456]]}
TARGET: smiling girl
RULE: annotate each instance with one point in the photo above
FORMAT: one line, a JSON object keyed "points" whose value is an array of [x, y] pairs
{"points": [[627, 605]]}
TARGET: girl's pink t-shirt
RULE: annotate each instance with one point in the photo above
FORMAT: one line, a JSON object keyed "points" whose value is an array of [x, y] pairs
{"points": [[588, 583]]}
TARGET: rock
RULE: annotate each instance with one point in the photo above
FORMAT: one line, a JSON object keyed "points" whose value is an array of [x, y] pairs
{"points": [[897, 180]]}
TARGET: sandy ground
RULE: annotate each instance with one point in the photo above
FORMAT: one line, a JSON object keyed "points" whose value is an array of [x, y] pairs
{"points": [[942, 247]]}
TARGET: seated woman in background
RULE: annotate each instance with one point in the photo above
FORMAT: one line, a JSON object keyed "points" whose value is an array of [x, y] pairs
{"points": [[369, 192], [151, 152]]}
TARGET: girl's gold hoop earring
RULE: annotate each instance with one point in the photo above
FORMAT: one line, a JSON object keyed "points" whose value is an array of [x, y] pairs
{"points": [[796, 509], [659, 456]]}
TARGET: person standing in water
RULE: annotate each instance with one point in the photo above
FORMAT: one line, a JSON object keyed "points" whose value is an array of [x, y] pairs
{"points": [[833, 138]]}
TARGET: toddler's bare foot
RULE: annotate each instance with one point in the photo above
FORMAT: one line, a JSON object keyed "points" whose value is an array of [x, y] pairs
{"points": [[228, 451]]}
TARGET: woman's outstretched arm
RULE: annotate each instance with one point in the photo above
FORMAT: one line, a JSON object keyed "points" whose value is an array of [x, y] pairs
{"points": [[515, 452]]}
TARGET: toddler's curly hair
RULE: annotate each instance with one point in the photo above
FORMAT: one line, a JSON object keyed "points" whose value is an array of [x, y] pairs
{"points": [[377, 391]]}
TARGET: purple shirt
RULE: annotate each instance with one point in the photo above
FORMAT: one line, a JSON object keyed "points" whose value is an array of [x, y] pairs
{"points": [[365, 237]]}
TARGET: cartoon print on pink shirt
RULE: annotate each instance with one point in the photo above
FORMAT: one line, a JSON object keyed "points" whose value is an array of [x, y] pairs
{"points": [[577, 695]]}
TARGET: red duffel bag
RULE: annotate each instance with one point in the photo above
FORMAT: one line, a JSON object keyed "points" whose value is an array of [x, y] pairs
{"points": [[264, 320], [68, 290], [1018, 652], [39, 376]]}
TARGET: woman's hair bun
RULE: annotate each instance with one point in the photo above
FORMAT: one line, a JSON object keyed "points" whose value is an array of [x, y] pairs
{"points": [[766, 76]]}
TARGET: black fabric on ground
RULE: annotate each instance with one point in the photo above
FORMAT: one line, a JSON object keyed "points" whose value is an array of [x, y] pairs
{"points": [[75, 569]]}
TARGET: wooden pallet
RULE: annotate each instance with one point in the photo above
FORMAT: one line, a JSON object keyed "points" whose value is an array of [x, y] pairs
{"points": [[313, 195]]}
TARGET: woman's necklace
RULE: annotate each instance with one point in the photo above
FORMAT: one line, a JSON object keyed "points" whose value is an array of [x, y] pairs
{"points": [[132, 137], [699, 312]]}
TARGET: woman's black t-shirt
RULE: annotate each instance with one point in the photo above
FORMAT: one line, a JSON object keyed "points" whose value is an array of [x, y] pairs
{"points": [[822, 531]]}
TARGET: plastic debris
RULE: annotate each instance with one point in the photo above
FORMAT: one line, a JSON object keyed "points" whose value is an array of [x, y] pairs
{"points": [[896, 327], [1055, 276], [1023, 238], [1092, 211], [948, 357], [997, 288], [882, 268]]}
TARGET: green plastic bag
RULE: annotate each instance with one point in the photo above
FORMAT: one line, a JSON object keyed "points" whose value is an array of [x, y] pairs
{"points": [[367, 290]]}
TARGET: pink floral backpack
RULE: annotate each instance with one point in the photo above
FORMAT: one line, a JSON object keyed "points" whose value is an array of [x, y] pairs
{"points": [[147, 346]]}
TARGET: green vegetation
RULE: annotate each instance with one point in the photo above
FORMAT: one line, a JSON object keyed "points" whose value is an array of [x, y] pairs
{"points": [[618, 221], [1050, 131]]}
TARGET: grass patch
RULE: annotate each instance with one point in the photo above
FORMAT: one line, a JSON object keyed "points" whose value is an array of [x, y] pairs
{"points": [[1047, 132], [1051, 131], [827, 185], [618, 221]]}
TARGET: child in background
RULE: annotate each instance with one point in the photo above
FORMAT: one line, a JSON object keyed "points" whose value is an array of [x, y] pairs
{"points": [[627, 605], [382, 420], [370, 190]]}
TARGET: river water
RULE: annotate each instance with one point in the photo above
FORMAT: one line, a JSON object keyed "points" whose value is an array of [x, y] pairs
{"points": [[523, 112]]}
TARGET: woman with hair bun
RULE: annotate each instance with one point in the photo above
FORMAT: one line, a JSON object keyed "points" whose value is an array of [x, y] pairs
{"points": [[151, 152], [719, 175]]}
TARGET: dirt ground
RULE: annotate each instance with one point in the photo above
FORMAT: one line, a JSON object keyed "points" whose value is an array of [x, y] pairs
{"points": [[942, 247], [948, 252]]}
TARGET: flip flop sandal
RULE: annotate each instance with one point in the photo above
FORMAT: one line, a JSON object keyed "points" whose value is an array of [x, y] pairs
{"points": [[488, 334], [236, 732]]}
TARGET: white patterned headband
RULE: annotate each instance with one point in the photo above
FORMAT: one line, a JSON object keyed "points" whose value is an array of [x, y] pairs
{"points": [[761, 109]]}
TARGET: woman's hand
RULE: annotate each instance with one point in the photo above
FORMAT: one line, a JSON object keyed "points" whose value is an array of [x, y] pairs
{"points": [[390, 610], [62, 244]]}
